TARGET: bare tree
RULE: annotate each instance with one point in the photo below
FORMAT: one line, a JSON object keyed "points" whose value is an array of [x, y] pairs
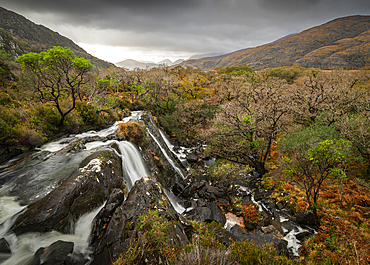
{"points": [[245, 128]]}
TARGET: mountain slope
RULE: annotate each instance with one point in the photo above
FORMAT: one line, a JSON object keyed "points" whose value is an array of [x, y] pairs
{"points": [[19, 35], [340, 43]]}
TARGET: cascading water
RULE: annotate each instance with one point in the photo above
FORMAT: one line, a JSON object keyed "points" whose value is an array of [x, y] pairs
{"points": [[290, 235], [42, 172], [178, 170], [24, 246]]}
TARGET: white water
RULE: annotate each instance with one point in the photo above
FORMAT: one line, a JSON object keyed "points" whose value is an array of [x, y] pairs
{"points": [[132, 163], [24, 246], [175, 201], [8, 207], [290, 237], [164, 152], [181, 155]]}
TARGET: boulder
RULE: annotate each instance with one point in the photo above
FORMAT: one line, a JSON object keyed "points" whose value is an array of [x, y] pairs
{"points": [[192, 158], [282, 247], [305, 218], [55, 254], [302, 236], [208, 213], [83, 191], [239, 232]]}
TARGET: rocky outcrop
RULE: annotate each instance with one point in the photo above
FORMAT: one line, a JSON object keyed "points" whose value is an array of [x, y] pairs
{"points": [[168, 173], [86, 189], [119, 232]]}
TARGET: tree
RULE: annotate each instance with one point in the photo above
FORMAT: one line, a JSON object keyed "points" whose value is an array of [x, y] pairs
{"points": [[333, 94], [245, 127], [309, 164], [59, 74], [356, 128]]}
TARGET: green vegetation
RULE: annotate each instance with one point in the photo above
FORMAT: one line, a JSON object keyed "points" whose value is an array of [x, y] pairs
{"points": [[306, 131], [58, 75]]}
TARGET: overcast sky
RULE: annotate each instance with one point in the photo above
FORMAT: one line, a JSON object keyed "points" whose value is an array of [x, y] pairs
{"points": [[115, 30]]}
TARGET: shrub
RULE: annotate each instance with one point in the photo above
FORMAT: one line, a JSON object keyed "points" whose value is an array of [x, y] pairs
{"points": [[87, 112], [134, 131], [153, 241], [248, 253], [46, 119]]}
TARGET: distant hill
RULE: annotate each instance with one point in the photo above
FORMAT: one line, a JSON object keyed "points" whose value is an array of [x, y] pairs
{"points": [[19, 35], [341, 43], [132, 64]]}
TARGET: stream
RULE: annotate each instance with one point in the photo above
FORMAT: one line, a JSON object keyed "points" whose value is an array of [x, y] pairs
{"points": [[29, 178], [42, 171]]}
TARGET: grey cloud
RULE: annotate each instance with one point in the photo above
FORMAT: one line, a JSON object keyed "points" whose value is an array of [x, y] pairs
{"points": [[188, 25]]}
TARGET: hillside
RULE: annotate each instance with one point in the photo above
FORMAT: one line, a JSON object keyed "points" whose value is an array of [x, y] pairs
{"points": [[340, 43], [19, 35]]}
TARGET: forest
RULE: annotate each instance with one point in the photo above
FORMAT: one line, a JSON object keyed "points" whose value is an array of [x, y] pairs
{"points": [[306, 132]]}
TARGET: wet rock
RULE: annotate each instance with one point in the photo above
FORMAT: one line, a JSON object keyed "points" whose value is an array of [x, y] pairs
{"points": [[85, 190], [8, 152], [305, 218], [102, 218], [120, 232], [55, 254], [269, 229], [4, 246], [287, 226], [178, 188], [163, 170]]}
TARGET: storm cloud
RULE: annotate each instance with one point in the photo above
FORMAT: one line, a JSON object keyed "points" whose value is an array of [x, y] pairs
{"points": [[182, 27]]}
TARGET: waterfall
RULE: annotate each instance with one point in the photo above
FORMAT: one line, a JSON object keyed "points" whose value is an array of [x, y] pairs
{"points": [[42, 172], [132, 163], [164, 152]]}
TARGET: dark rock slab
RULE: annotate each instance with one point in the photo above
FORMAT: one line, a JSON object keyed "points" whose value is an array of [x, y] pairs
{"points": [[209, 212], [85, 190]]}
